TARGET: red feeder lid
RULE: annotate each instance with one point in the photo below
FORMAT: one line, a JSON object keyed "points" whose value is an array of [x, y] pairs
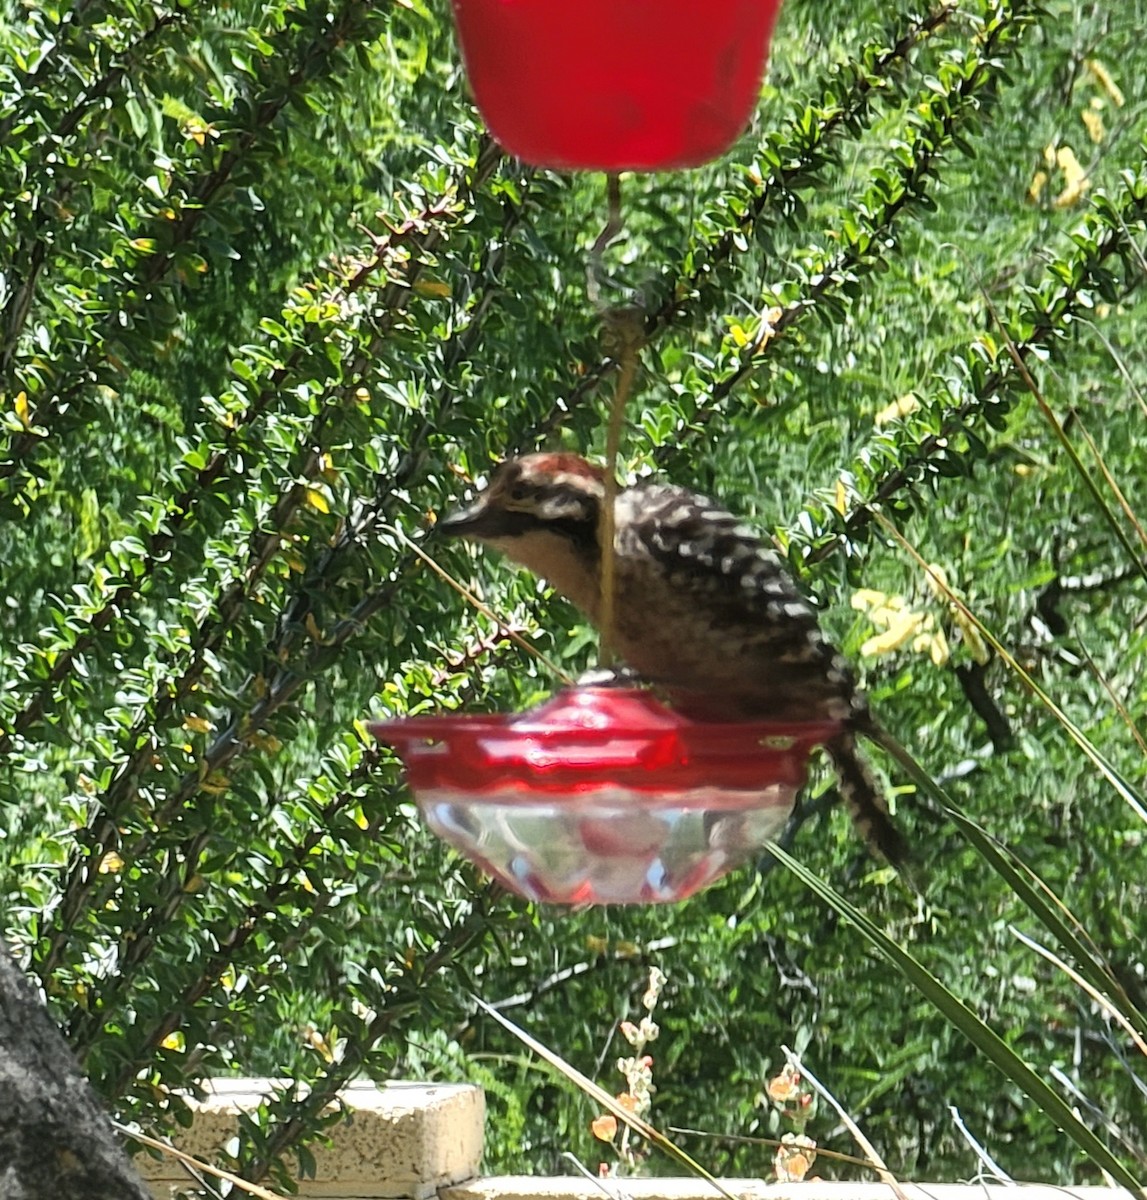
{"points": [[602, 795], [613, 85], [586, 738]]}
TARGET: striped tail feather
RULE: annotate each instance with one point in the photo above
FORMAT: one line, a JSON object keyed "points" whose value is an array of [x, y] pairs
{"points": [[864, 799]]}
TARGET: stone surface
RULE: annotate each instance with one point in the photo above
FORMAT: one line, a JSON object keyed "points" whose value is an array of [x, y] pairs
{"points": [[575, 1187], [55, 1139], [403, 1140]]}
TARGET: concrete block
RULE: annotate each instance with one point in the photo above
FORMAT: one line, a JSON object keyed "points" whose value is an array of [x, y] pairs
{"points": [[402, 1141]]}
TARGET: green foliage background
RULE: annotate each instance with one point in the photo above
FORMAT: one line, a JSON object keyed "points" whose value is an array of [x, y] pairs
{"points": [[268, 295]]}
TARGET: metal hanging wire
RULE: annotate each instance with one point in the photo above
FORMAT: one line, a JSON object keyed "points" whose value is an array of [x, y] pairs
{"points": [[623, 336]]}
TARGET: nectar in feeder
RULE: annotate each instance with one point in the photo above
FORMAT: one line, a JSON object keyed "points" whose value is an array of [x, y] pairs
{"points": [[603, 795], [614, 85]]}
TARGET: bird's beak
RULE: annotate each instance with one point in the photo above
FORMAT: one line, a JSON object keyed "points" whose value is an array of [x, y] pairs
{"points": [[474, 521]]}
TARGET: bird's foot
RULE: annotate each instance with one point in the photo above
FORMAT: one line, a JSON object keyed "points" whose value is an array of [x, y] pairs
{"points": [[611, 677]]}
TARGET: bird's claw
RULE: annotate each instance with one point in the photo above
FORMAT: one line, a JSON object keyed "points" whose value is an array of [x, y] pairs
{"points": [[610, 677]]}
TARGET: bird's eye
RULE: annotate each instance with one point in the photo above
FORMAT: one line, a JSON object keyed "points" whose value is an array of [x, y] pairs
{"points": [[518, 492]]}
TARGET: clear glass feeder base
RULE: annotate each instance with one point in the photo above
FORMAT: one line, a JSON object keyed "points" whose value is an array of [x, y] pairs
{"points": [[609, 845]]}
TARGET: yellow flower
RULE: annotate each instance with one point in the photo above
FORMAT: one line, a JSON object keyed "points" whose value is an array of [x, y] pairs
{"points": [[785, 1087], [794, 1157], [977, 647], [1075, 178], [903, 406], [23, 411], [901, 626], [937, 579], [864, 598], [938, 582], [604, 1128], [1094, 123], [934, 644], [1103, 78]]}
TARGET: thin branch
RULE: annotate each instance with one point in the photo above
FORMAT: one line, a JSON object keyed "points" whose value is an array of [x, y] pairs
{"points": [[197, 1164], [1096, 995], [878, 1163], [993, 1167], [971, 677], [503, 626], [737, 1139]]}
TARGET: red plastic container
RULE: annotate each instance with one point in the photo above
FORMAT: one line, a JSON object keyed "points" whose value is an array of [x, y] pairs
{"points": [[613, 85], [603, 795]]}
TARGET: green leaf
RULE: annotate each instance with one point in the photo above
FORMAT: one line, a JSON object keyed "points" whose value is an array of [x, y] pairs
{"points": [[961, 1017]]}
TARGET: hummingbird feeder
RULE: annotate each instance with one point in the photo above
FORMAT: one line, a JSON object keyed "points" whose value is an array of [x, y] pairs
{"points": [[603, 795], [615, 85]]}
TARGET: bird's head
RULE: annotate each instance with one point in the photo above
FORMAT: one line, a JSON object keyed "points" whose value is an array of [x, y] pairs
{"points": [[542, 511], [556, 493]]}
